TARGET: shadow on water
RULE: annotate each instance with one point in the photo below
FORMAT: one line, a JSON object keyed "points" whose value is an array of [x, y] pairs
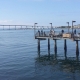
{"points": [[54, 67], [65, 63]]}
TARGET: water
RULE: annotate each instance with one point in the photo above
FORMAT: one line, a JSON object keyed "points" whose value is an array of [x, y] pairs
{"points": [[19, 58]]}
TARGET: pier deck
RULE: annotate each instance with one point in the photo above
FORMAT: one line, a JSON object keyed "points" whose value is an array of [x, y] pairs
{"points": [[57, 36]]}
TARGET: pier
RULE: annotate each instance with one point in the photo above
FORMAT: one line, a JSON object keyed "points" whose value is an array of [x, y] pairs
{"points": [[52, 35]]}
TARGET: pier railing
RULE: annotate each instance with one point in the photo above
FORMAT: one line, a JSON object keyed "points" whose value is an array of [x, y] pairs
{"points": [[48, 34], [57, 35]]}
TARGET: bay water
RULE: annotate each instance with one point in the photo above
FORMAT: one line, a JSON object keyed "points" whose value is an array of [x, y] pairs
{"points": [[19, 59]]}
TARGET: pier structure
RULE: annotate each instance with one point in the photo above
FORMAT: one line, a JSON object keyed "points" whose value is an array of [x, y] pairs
{"points": [[56, 37], [48, 35]]}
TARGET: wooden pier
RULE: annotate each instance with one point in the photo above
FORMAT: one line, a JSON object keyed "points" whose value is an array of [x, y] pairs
{"points": [[60, 36]]}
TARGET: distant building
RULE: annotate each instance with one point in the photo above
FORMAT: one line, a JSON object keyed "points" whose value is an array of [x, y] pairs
{"points": [[77, 26]]}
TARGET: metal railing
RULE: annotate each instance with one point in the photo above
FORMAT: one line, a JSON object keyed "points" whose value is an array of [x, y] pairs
{"points": [[48, 34], [56, 34]]}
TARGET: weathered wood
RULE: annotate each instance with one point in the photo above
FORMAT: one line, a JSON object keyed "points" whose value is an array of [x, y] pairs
{"points": [[67, 35], [77, 49], [38, 53], [65, 54], [38, 45], [48, 46], [65, 45], [55, 46]]}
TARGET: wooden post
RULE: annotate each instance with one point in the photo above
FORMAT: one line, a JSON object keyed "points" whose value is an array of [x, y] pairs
{"points": [[55, 46], [65, 54], [77, 48], [48, 46], [39, 54], [65, 46], [55, 56], [39, 45]]}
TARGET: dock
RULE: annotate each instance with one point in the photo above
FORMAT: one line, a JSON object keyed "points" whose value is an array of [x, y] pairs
{"points": [[47, 35]]}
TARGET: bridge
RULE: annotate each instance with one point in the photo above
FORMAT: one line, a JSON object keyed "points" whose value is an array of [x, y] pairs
{"points": [[23, 27]]}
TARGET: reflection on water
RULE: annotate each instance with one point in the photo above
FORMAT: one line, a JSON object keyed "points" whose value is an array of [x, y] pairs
{"points": [[71, 63], [67, 67]]}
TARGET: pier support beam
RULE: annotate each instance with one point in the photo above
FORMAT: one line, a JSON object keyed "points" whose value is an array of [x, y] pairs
{"points": [[39, 46], [55, 46], [77, 48], [65, 54], [65, 46], [49, 47]]}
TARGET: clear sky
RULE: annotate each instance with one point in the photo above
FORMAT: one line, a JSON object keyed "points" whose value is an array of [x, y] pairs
{"points": [[43, 12]]}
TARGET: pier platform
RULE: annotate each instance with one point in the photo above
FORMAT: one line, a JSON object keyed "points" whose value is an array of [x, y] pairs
{"points": [[47, 35]]}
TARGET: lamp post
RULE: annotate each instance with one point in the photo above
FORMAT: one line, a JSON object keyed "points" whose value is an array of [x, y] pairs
{"points": [[51, 26], [34, 28], [72, 26], [68, 26]]}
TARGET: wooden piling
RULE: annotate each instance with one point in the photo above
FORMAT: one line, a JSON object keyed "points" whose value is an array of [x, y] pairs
{"points": [[65, 54], [38, 36], [55, 46], [48, 46], [65, 46], [77, 48], [38, 45], [38, 53]]}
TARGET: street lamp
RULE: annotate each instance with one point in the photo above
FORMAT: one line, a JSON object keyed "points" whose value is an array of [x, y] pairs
{"points": [[72, 26], [51, 26], [68, 26], [34, 28]]}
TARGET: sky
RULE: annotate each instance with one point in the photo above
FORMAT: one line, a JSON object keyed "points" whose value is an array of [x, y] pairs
{"points": [[43, 12]]}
